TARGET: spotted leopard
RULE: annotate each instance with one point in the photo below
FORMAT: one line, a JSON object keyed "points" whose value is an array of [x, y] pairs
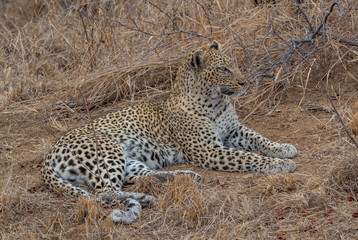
{"points": [[197, 124]]}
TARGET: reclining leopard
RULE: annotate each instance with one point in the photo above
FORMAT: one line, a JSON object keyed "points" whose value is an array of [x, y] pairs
{"points": [[197, 124]]}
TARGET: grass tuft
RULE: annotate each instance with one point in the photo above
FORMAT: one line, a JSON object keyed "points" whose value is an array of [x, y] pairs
{"points": [[354, 118], [184, 201], [88, 210]]}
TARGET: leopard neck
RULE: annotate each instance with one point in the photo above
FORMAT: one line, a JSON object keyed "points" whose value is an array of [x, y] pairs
{"points": [[191, 93]]}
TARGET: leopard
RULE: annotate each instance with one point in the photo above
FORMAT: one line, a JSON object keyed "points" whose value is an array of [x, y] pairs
{"points": [[197, 124]]}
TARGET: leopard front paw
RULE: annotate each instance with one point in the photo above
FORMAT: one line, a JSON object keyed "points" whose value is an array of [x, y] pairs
{"points": [[288, 151], [128, 216], [281, 165]]}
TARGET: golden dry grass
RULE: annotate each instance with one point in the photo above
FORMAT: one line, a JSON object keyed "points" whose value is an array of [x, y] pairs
{"points": [[52, 58], [354, 118]]}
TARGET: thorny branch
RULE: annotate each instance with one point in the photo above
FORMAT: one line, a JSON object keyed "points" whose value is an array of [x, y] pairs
{"points": [[176, 29], [337, 113], [295, 44]]}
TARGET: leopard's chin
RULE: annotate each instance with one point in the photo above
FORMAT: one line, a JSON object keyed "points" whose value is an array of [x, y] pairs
{"points": [[229, 93], [226, 91]]}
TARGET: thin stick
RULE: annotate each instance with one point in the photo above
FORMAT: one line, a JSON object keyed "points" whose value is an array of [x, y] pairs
{"points": [[337, 113]]}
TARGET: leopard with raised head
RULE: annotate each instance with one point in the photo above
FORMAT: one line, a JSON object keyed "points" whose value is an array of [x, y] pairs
{"points": [[196, 124]]}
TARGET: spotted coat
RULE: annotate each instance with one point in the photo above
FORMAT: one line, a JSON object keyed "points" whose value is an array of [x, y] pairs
{"points": [[197, 124]]}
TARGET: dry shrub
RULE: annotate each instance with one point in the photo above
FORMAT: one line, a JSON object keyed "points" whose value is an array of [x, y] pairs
{"points": [[278, 183], [132, 50], [354, 118], [10, 199], [343, 178], [113, 84], [54, 223], [147, 184], [114, 50], [281, 191], [21, 11], [184, 201], [88, 209], [288, 191], [221, 234]]}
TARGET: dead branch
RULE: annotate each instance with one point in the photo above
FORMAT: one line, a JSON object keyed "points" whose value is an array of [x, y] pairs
{"points": [[295, 44], [304, 14], [337, 113], [236, 37], [344, 40], [324, 84], [64, 2]]}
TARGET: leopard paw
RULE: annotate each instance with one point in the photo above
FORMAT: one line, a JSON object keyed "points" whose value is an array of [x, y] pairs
{"points": [[282, 165], [288, 151]]}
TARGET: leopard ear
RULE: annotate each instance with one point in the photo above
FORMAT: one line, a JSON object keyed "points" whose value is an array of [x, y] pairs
{"points": [[198, 59], [215, 45]]}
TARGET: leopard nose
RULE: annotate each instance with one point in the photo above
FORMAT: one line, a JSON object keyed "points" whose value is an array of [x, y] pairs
{"points": [[242, 81]]}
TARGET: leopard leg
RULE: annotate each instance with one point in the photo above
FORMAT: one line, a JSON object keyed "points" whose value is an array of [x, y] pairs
{"points": [[100, 164], [245, 138], [136, 169]]}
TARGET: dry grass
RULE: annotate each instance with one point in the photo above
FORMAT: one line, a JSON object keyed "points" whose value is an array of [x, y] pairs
{"points": [[110, 54], [354, 118], [343, 177], [129, 52]]}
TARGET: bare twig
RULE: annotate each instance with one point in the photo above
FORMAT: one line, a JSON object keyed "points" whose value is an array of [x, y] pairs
{"points": [[344, 40], [86, 34], [304, 14], [324, 84], [65, 4], [236, 37], [313, 35], [136, 28], [175, 26], [295, 44]]}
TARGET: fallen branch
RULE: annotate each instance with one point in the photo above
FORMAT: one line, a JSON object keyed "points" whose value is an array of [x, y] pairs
{"points": [[344, 40]]}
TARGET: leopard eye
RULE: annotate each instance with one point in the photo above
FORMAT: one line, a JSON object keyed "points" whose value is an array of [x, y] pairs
{"points": [[225, 69]]}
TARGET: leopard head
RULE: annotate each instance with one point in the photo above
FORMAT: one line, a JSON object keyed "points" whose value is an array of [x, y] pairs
{"points": [[215, 70]]}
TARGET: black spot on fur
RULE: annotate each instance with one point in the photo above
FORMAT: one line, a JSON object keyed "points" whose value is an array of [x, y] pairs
{"points": [[89, 165], [63, 167], [73, 172], [131, 205], [83, 170]]}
